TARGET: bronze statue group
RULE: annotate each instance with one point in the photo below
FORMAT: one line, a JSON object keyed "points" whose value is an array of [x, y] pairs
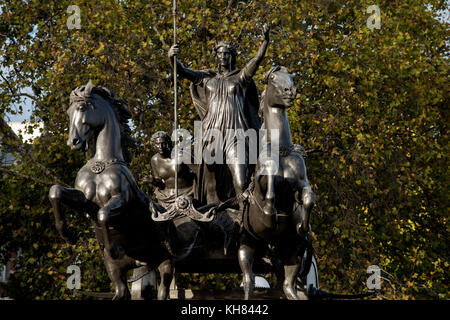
{"points": [[233, 214]]}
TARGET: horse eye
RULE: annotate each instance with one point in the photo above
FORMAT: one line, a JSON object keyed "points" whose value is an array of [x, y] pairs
{"points": [[81, 108]]}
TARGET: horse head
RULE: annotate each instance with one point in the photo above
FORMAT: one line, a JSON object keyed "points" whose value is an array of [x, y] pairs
{"points": [[86, 113], [280, 91], [89, 110]]}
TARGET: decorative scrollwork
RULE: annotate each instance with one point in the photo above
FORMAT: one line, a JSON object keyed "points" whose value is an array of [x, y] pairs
{"points": [[98, 167], [183, 206]]}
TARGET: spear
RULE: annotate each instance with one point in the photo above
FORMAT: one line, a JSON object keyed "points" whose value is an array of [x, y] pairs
{"points": [[175, 114]]}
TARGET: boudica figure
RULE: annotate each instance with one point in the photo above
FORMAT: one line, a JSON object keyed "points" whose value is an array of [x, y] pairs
{"points": [[226, 99]]}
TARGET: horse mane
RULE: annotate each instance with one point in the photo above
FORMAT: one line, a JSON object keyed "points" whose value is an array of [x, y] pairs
{"points": [[119, 107], [267, 79]]}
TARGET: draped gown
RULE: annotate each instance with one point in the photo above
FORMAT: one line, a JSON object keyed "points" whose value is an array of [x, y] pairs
{"points": [[227, 104]]}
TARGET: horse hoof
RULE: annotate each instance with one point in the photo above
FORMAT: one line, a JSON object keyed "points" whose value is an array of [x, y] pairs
{"points": [[302, 296], [292, 294], [122, 296]]}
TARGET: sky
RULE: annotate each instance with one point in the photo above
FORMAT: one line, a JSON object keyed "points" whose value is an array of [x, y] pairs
{"points": [[27, 109]]}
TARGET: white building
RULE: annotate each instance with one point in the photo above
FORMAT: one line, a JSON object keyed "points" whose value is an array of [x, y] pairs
{"points": [[27, 132]]}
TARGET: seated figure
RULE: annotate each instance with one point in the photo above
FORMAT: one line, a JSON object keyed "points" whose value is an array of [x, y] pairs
{"points": [[182, 209], [163, 167], [184, 236]]}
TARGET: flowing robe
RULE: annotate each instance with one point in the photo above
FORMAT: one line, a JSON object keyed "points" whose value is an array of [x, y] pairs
{"points": [[223, 102]]}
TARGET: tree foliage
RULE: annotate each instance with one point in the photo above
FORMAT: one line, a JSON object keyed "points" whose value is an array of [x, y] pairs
{"points": [[371, 111]]}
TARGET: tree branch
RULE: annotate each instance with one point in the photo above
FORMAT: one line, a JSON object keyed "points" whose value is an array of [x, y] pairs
{"points": [[24, 176], [7, 83], [24, 95], [157, 31]]}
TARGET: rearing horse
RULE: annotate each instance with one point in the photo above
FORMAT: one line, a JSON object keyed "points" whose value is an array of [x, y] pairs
{"points": [[281, 200], [106, 190]]}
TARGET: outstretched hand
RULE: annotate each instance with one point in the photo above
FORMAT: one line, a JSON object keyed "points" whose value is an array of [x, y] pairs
{"points": [[173, 51]]}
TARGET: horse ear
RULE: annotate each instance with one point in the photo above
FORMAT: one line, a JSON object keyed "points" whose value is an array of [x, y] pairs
{"points": [[269, 74], [88, 89]]}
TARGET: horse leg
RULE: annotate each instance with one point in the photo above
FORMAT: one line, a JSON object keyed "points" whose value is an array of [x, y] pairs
{"points": [[238, 173], [292, 264], [166, 273], [290, 275], [117, 271], [111, 209], [269, 206], [303, 212], [71, 198], [246, 256], [266, 182]]}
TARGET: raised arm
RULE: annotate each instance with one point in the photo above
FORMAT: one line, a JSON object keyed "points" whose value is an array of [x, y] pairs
{"points": [[182, 71], [252, 66]]}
